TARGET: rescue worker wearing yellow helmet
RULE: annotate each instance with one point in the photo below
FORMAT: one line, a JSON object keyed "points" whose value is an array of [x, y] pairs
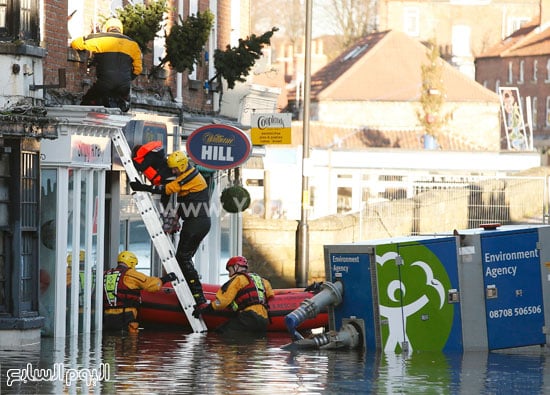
{"points": [[118, 61], [246, 294], [193, 199], [121, 292]]}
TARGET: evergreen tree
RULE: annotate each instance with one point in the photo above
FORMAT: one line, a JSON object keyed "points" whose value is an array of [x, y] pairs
{"points": [[432, 95]]}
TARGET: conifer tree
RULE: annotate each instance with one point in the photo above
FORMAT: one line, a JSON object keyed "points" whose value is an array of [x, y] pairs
{"points": [[432, 95]]}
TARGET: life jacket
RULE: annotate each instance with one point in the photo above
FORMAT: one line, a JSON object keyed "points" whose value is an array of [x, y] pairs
{"points": [[115, 292], [253, 293], [149, 159]]}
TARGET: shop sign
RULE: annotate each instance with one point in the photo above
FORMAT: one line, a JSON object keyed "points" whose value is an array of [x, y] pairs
{"points": [[218, 146], [271, 128], [90, 149]]}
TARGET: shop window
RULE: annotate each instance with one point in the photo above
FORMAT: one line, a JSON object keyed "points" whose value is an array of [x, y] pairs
{"points": [[29, 225], [48, 234], [4, 233], [19, 20], [4, 275]]}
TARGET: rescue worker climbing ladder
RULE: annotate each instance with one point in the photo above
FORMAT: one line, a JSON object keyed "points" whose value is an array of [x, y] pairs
{"points": [[160, 240]]}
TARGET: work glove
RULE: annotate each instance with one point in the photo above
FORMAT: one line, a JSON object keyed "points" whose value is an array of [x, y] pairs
{"points": [[201, 309], [139, 187], [168, 277]]}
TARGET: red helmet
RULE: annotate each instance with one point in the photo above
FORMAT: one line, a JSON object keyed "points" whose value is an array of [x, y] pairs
{"points": [[237, 261]]}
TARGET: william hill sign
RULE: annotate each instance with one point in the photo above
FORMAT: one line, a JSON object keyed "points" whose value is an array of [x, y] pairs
{"points": [[218, 147]]}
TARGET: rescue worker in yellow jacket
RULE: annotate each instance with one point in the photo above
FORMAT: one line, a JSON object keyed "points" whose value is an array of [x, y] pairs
{"points": [[193, 199], [247, 294], [121, 292], [118, 61]]}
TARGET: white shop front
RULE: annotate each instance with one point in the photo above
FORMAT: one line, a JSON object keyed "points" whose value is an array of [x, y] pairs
{"points": [[73, 231]]}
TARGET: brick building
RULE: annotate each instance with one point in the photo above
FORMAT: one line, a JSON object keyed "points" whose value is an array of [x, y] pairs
{"points": [[462, 28], [75, 172], [522, 62]]}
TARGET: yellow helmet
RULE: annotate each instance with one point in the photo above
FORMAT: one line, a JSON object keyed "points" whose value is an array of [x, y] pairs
{"points": [[178, 159], [128, 258], [113, 24], [81, 257]]}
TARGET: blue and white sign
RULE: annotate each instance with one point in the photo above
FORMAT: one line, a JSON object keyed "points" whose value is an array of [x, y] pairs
{"points": [[512, 279], [218, 147]]}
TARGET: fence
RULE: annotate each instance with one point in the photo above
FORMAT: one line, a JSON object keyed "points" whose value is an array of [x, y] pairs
{"points": [[410, 205]]}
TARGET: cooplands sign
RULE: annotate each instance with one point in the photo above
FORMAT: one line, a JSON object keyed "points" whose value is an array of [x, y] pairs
{"points": [[218, 147]]}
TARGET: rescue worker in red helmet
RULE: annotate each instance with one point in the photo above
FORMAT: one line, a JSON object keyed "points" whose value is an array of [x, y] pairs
{"points": [[193, 199], [118, 61], [247, 294], [121, 292]]}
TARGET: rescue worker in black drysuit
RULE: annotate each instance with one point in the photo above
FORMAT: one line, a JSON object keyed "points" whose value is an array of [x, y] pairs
{"points": [[149, 159], [117, 59], [193, 199]]}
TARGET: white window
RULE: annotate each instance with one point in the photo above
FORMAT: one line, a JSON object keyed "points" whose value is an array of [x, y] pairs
{"points": [[547, 71], [497, 86], [411, 21], [159, 49], [547, 123], [75, 20], [461, 40], [193, 9], [515, 23], [534, 112], [510, 72], [521, 71], [535, 70]]}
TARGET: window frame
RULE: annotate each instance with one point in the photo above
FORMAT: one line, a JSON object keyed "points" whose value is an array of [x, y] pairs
{"points": [[22, 21]]}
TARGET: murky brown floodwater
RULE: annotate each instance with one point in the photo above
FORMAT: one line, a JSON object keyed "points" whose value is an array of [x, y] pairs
{"points": [[183, 363]]}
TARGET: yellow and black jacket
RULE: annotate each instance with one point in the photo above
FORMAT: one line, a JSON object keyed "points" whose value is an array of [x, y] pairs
{"points": [[193, 193], [245, 292], [117, 57]]}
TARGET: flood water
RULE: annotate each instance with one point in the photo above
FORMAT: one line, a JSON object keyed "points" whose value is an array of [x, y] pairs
{"points": [[154, 362]]}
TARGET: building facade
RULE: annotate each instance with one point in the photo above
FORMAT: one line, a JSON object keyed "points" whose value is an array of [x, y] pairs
{"points": [[83, 214], [521, 63]]}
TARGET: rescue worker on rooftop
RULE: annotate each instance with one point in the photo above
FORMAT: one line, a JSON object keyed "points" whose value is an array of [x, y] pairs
{"points": [[118, 61]]}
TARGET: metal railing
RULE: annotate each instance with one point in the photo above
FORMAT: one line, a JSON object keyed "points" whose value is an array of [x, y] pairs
{"points": [[419, 204]]}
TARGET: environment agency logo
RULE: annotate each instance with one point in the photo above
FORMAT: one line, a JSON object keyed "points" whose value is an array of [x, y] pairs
{"points": [[412, 287]]}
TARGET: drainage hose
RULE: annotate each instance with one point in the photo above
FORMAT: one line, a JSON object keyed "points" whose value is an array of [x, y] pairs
{"points": [[330, 294]]}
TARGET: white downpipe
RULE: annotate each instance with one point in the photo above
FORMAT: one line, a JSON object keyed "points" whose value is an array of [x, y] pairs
{"points": [[179, 76]]}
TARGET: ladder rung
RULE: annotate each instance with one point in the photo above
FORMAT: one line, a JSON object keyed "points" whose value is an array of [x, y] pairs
{"points": [[161, 241]]}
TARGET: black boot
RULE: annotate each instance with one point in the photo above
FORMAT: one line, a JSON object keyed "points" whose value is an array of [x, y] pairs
{"points": [[192, 278]]}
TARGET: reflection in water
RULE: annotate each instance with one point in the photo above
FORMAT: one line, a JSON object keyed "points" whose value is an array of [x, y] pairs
{"points": [[183, 363]]}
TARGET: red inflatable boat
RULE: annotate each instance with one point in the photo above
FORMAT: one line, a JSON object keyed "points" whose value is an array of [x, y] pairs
{"points": [[163, 309]]}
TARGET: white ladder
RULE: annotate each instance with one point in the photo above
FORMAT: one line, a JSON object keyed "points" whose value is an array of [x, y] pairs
{"points": [[161, 241]]}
